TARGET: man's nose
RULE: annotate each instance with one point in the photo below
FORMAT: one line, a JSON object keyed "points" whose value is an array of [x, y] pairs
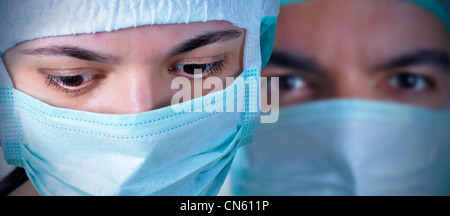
{"points": [[352, 85]]}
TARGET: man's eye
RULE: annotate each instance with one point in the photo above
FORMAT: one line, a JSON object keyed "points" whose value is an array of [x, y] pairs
{"points": [[291, 82], [411, 82], [204, 69], [293, 88]]}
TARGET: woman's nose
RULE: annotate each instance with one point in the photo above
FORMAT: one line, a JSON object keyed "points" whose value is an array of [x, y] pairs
{"points": [[141, 91]]}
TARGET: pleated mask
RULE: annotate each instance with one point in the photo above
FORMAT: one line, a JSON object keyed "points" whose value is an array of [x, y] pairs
{"points": [[347, 148]]}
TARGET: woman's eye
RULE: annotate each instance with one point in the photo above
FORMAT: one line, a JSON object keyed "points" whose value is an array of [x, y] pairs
{"points": [[72, 85], [411, 82], [70, 81], [204, 69]]}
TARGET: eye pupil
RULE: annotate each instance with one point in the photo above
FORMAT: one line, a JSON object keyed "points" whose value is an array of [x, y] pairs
{"points": [[203, 70], [290, 82], [407, 81], [72, 80], [190, 69]]}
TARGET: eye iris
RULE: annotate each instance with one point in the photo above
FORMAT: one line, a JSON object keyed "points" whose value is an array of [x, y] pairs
{"points": [[407, 81], [190, 69], [72, 80], [290, 82]]}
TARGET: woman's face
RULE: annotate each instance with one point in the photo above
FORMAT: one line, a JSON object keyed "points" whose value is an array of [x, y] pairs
{"points": [[126, 71], [379, 50]]}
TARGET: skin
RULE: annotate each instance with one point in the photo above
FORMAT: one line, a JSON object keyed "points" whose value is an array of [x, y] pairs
{"points": [[352, 45], [137, 71], [131, 71]]}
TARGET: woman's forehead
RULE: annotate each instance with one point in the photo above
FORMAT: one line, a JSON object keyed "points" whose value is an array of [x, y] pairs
{"points": [[29, 19], [146, 32]]}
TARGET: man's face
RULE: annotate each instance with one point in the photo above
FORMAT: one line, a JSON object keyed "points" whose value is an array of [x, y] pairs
{"points": [[377, 50], [127, 71]]}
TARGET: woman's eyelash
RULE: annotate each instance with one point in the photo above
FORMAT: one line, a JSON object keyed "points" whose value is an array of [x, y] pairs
{"points": [[53, 81], [212, 68], [215, 69]]}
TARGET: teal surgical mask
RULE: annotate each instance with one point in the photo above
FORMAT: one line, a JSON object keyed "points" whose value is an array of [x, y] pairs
{"points": [[348, 147], [161, 152]]}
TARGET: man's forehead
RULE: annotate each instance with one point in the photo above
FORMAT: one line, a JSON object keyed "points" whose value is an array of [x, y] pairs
{"points": [[310, 32]]}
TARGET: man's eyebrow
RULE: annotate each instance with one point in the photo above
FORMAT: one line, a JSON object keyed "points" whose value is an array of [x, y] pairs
{"points": [[293, 61], [71, 51], [206, 39], [439, 59]]}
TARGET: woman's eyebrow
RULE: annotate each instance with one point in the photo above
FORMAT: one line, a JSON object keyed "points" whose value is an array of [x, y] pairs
{"points": [[439, 59], [71, 51], [204, 40]]}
